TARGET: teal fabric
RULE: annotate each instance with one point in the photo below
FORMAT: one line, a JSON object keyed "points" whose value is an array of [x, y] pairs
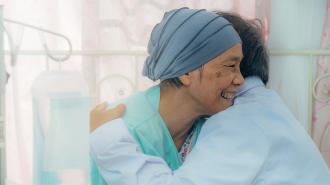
{"points": [[148, 129], [40, 176]]}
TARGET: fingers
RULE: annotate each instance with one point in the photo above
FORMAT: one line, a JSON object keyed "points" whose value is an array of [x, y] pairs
{"points": [[114, 113], [100, 115], [101, 106]]}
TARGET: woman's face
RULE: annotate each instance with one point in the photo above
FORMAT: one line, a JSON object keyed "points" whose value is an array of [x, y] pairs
{"points": [[213, 88]]}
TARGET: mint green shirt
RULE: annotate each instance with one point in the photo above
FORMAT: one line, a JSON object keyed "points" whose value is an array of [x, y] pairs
{"points": [[148, 129]]}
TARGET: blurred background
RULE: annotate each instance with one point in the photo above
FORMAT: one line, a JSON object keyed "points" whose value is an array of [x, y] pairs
{"points": [[89, 51]]}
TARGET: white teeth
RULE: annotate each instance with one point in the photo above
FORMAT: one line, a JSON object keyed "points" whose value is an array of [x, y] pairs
{"points": [[227, 95]]}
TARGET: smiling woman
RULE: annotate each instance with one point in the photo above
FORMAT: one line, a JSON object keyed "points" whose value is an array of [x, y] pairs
{"points": [[255, 141], [177, 51], [212, 89], [79, 21]]}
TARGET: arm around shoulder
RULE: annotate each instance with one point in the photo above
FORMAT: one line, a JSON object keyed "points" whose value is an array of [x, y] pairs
{"points": [[230, 153]]}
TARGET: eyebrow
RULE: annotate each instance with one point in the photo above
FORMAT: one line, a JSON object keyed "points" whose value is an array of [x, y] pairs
{"points": [[234, 58]]}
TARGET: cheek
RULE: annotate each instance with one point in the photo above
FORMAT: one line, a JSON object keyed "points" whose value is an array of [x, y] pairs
{"points": [[224, 79]]}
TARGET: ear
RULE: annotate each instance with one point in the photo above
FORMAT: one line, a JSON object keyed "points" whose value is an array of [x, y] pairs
{"points": [[186, 79]]}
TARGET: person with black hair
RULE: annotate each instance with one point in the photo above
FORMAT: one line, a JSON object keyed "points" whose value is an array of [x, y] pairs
{"points": [[256, 141]]}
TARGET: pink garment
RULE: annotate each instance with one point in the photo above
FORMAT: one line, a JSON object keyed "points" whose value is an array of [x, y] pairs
{"points": [[321, 112], [188, 144]]}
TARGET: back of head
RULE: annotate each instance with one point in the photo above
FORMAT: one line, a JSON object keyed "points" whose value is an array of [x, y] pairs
{"points": [[256, 58]]}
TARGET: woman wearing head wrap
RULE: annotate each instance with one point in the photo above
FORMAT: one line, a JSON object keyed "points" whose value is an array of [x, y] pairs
{"points": [[196, 55]]}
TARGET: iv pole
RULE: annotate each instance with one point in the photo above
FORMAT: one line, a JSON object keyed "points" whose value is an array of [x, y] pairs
{"points": [[3, 81]]}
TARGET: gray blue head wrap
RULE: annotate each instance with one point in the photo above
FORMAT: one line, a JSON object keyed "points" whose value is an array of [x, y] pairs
{"points": [[186, 39]]}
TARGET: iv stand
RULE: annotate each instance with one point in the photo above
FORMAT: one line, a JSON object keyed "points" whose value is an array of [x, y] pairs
{"points": [[3, 80]]}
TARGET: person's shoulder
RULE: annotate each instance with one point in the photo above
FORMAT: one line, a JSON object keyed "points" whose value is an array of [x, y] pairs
{"points": [[262, 110], [251, 117], [233, 119], [138, 107], [136, 96], [237, 129]]}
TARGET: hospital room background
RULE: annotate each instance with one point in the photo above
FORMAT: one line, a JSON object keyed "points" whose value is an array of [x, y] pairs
{"points": [[60, 58]]}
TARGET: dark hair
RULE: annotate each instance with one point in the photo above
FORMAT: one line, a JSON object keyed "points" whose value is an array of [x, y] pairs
{"points": [[175, 82], [256, 58]]}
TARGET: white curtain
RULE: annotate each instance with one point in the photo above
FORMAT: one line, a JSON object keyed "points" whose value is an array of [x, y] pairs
{"points": [[60, 16], [321, 109], [295, 25]]}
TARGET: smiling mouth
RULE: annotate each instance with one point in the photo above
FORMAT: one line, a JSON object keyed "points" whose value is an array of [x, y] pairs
{"points": [[227, 95]]}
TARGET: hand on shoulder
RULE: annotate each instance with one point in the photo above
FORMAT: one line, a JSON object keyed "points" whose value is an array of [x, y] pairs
{"points": [[100, 114]]}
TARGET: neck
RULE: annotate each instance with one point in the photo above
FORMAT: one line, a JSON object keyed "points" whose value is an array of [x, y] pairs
{"points": [[178, 113]]}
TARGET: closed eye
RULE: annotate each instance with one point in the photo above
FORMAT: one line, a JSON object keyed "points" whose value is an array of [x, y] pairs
{"points": [[230, 65]]}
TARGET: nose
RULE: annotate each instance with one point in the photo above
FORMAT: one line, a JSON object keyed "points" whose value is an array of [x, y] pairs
{"points": [[238, 80]]}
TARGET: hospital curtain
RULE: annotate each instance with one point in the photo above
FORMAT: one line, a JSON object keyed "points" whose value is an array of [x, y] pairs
{"points": [[293, 26], [321, 109], [60, 16]]}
